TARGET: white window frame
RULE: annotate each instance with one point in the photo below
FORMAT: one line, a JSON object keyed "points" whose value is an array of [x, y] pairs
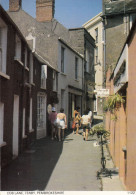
{"points": [[31, 69], [30, 118], [17, 48], [3, 46], [76, 68], [26, 57], [43, 76]]}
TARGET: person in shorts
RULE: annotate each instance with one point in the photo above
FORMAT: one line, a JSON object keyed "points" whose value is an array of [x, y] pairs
{"points": [[61, 123], [52, 118], [85, 120]]}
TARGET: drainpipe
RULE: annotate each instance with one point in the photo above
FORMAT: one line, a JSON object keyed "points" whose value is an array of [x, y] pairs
{"points": [[104, 53]]}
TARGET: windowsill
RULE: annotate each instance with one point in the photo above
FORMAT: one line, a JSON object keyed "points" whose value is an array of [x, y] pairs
{"points": [[76, 80], [62, 73], [3, 144], [25, 136], [33, 84], [31, 130], [26, 68], [19, 61], [43, 88], [4, 75]]}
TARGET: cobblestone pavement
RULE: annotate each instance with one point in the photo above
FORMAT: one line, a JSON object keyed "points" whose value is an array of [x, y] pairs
{"points": [[70, 165]]}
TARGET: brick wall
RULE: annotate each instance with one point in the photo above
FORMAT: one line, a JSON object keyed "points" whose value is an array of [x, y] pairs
{"points": [[44, 10]]}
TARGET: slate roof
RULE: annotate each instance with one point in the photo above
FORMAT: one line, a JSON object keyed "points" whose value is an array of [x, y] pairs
{"points": [[119, 7], [46, 40]]}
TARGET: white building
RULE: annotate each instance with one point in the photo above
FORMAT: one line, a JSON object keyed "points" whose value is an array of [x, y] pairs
{"points": [[95, 28], [70, 79]]}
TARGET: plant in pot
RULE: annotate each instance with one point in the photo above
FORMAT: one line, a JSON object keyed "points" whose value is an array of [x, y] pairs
{"points": [[100, 130], [113, 102]]}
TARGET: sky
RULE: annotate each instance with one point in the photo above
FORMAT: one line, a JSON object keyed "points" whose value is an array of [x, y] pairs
{"points": [[70, 13]]}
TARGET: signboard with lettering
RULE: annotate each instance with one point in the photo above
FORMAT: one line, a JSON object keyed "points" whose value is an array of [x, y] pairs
{"points": [[102, 92]]}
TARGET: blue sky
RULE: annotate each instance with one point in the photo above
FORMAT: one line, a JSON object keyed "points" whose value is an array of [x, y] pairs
{"points": [[70, 13]]}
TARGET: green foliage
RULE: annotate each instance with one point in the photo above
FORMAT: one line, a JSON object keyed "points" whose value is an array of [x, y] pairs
{"points": [[99, 130], [112, 101]]}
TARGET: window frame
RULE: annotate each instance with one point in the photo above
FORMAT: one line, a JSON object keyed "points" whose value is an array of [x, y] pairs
{"points": [[62, 59], [76, 68]]}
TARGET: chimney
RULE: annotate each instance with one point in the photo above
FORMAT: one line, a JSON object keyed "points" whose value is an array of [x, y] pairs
{"points": [[15, 5], [45, 10]]}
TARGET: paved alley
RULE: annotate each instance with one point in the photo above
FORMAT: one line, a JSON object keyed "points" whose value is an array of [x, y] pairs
{"points": [[70, 165]]}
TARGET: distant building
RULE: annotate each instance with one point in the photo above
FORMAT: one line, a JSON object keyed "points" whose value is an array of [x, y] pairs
{"points": [[95, 27], [84, 43]]}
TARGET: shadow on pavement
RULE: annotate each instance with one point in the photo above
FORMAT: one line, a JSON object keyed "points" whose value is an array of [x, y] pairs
{"points": [[32, 169]]}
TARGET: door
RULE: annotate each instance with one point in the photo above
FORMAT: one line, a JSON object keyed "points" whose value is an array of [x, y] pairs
{"points": [[41, 115], [15, 125]]}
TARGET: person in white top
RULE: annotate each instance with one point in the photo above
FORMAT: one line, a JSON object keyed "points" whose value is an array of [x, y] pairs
{"points": [[85, 120], [91, 117], [61, 123]]}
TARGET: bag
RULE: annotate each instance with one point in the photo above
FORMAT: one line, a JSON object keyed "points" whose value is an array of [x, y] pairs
{"points": [[73, 125], [57, 122]]}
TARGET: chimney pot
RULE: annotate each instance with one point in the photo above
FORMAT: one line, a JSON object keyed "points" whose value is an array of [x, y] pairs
{"points": [[45, 10], [15, 5]]}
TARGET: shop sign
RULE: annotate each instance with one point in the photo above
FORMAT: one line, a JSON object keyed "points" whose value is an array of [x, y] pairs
{"points": [[102, 92]]}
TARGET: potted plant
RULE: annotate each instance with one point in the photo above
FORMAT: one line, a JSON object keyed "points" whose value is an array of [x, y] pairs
{"points": [[114, 101], [100, 130]]}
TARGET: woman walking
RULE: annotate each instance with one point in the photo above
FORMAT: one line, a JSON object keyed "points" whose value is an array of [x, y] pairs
{"points": [[62, 124], [85, 122], [52, 118], [76, 111]]}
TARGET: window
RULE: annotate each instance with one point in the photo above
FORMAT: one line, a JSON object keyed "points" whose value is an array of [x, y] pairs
{"points": [[55, 81], [40, 110], [96, 55], [26, 57], [62, 59], [30, 119], [31, 69], [1, 122], [76, 68], [43, 76], [18, 48], [96, 35], [23, 132], [3, 46], [62, 98]]}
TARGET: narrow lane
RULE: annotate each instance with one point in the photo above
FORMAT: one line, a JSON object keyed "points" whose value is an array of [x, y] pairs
{"points": [[77, 166], [49, 165]]}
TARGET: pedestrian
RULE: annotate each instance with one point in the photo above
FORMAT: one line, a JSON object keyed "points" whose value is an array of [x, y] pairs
{"points": [[76, 111], [91, 117], [85, 123], [77, 122], [61, 123], [52, 118]]}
